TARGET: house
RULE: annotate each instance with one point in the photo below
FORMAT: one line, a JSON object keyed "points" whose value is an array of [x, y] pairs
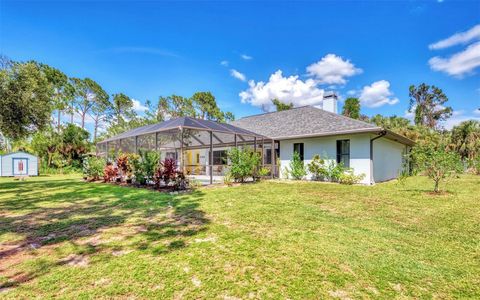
{"points": [[200, 146], [18, 164], [309, 130]]}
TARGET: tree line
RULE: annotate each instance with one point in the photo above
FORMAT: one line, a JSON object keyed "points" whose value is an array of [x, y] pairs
{"points": [[37, 100]]}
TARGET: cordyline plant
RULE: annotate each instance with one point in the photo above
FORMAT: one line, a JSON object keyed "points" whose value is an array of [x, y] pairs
{"points": [[436, 162]]}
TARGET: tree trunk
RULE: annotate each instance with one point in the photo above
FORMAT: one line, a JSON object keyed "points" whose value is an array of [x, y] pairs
{"points": [[95, 131], [435, 189], [58, 121], [83, 120]]}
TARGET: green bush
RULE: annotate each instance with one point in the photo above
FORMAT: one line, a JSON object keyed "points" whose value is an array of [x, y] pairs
{"points": [[318, 168], [348, 177], [243, 163], [144, 166], [297, 169], [93, 167]]}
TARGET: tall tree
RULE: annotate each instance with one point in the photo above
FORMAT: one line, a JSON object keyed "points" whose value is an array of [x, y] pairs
{"points": [[25, 100], [122, 108], [175, 106], [63, 91], [206, 106], [281, 106], [428, 104], [101, 110], [86, 91], [466, 139], [351, 108]]}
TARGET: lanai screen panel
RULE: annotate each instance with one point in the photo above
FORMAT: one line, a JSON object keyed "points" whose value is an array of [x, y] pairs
{"points": [[146, 142], [127, 145]]}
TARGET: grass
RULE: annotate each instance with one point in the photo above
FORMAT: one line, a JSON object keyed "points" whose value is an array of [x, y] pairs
{"points": [[61, 237]]}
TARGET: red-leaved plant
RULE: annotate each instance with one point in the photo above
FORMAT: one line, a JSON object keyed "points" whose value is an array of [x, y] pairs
{"points": [[110, 173], [166, 172]]}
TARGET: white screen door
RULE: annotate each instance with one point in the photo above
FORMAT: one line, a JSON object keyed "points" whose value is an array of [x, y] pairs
{"points": [[20, 166]]}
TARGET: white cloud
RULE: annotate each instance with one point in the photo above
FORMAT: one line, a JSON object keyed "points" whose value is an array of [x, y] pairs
{"points": [[332, 69], [377, 94], [477, 112], [286, 89], [238, 75], [458, 38], [352, 92], [460, 63], [457, 118], [137, 106], [246, 57], [224, 63]]}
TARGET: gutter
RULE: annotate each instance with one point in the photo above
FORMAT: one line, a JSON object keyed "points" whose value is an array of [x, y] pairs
{"points": [[380, 135]]}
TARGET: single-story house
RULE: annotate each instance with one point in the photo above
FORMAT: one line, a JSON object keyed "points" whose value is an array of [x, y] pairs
{"points": [[18, 164], [367, 148], [200, 146]]}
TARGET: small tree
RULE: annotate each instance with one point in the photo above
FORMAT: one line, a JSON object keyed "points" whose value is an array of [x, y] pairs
{"points": [[436, 162], [297, 168], [243, 163]]}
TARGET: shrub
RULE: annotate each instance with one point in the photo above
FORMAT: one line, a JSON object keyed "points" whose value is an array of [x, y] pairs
{"points": [[145, 166], [244, 162], [166, 172], [228, 179], [110, 173], [348, 177], [297, 168], [263, 172], [318, 168], [125, 164], [474, 165], [436, 162], [93, 167]]}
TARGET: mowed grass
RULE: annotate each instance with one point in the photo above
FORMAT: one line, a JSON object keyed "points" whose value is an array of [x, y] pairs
{"points": [[61, 237]]}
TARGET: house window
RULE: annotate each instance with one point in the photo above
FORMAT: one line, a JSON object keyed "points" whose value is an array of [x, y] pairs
{"points": [[198, 158], [343, 152], [220, 157], [298, 147]]}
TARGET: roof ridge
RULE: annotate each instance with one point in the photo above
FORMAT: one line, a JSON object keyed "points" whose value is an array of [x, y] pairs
{"points": [[273, 112], [314, 107]]}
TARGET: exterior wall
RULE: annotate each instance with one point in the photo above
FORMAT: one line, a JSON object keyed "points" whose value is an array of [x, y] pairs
{"points": [[388, 158], [327, 146], [7, 163]]}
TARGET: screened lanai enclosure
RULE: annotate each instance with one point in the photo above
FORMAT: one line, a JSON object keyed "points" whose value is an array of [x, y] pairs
{"points": [[200, 147]]}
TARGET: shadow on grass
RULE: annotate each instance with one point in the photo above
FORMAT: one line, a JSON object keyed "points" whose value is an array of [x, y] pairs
{"points": [[46, 213]]}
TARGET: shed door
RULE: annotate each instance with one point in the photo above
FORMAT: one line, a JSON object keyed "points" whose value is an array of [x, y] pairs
{"points": [[20, 166]]}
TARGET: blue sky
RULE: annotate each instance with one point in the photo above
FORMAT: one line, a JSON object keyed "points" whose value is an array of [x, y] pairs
{"points": [[247, 52]]}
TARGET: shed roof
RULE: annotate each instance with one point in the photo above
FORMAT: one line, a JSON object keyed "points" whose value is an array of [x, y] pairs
{"points": [[184, 122]]}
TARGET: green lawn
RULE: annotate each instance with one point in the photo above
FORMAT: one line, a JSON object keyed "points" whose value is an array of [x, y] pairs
{"points": [[61, 237]]}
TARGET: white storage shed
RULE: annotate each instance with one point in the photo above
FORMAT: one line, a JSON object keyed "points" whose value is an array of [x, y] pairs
{"points": [[18, 164]]}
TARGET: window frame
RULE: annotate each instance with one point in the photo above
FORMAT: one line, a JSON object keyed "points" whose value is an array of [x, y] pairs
{"points": [[301, 147], [342, 155]]}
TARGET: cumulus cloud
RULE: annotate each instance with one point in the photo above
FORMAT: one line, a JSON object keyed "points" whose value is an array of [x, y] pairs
{"points": [[246, 57], [458, 38], [224, 63], [377, 94], [332, 69], [289, 89], [459, 64], [459, 117], [238, 75], [137, 106]]}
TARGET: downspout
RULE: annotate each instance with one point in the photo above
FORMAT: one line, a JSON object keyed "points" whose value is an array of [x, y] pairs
{"points": [[380, 134]]}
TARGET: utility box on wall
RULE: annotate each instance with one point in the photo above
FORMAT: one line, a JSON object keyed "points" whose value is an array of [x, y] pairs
{"points": [[18, 164]]}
